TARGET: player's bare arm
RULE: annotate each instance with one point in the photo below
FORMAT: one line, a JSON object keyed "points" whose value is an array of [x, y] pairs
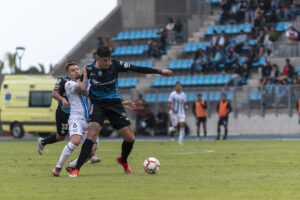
{"points": [[171, 108], [82, 85], [55, 95], [129, 105]]}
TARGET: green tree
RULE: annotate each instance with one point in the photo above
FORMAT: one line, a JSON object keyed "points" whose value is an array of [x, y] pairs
{"points": [[12, 62], [42, 68], [1, 66]]}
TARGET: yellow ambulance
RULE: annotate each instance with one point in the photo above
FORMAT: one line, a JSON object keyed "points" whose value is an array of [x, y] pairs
{"points": [[26, 104]]}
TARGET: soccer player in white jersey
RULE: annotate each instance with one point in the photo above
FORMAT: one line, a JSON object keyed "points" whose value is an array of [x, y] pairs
{"points": [[177, 105], [78, 120]]}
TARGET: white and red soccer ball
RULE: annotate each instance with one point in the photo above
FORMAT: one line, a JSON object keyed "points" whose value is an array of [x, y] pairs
{"points": [[151, 165]]}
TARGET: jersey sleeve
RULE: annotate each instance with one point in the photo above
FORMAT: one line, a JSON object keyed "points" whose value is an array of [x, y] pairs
{"points": [[184, 98], [59, 84], [170, 97], [70, 86], [121, 66]]}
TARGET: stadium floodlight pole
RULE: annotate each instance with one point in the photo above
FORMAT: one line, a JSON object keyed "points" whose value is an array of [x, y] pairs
{"points": [[20, 52]]}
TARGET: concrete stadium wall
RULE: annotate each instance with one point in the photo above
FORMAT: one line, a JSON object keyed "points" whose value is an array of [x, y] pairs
{"points": [[138, 13], [111, 25], [254, 125]]}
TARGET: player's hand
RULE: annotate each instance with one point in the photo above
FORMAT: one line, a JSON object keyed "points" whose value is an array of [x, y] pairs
{"points": [[166, 72], [186, 107], [65, 103], [129, 105], [84, 72]]}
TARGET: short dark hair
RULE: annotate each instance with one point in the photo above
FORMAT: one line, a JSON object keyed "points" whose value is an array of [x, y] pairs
{"points": [[178, 83], [103, 52], [70, 63], [224, 94], [199, 94]]}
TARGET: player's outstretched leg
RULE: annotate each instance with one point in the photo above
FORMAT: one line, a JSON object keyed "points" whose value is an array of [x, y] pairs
{"points": [[66, 153], [127, 145], [42, 142]]}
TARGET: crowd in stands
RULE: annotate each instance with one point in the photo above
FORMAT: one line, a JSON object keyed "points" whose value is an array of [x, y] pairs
{"points": [[168, 35], [258, 12]]}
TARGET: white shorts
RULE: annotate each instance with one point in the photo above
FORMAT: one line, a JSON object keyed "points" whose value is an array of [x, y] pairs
{"points": [[78, 127], [177, 118]]}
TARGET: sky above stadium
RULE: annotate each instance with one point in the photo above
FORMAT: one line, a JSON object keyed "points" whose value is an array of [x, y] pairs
{"points": [[48, 29]]}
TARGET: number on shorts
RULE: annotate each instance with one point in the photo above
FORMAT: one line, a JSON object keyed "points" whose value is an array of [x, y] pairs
{"points": [[64, 126]]}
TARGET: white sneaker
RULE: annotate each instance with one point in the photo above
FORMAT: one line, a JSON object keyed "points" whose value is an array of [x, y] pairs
{"points": [[94, 160], [180, 143], [40, 146]]}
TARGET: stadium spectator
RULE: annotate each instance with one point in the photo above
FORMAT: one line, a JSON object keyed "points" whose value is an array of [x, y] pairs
{"points": [[162, 120], [153, 49], [231, 59], [222, 40], [249, 11], [241, 75], [108, 43], [148, 123], [214, 39], [291, 34], [265, 73], [298, 109], [275, 72], [178, 28], [141, 106], [251, 56], [170, 29], [218, 58], [100, 42], [271, 18], [199, 110], [240, 40], [163, 41], [288, 71]]}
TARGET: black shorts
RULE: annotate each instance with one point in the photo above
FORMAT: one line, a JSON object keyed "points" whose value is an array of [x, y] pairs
{"points": [[199, 120], [62, 123], [113, 110], [223, 121]]}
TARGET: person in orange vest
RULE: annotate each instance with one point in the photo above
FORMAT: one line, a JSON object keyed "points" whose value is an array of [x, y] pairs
{"points": [[223, 109], [199, 110]]}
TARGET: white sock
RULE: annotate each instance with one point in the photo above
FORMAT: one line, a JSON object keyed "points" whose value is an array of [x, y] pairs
{"points": [[73, 163], [66, 153], [171, 128], [181, 134]]}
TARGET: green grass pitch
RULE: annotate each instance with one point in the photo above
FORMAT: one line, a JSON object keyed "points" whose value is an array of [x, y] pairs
{"points": [[196, 170]]}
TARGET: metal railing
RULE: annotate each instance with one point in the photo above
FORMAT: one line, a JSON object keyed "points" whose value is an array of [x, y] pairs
{"points": [[272, 99], [285, 49]]}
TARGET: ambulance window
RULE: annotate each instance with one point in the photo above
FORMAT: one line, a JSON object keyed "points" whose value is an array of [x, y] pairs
{"points": [[40, 99]]}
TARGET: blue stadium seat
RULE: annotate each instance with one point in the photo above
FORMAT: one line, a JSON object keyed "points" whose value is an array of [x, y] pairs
{"points": [[247, 28], [123, 50], [204, 95], [217, 28], [211, 96], [194, 47], [132, 35], [229, 29], [149, 34], [200, 80], [149, 63], [279, 27], [160, 97], [116, 51], [121, 82], [207, 79], [128, 50], [194, 80], [144, 63], [138, 63], [155, 33], [143, 34], [182, 80], [209, 31], [138, 34], [217, 96], [261, 61], [255, 95], [185, 64], [156, 82], [220, 79], [213, 80], [235, 29], [163, 81], [126, 35], [230, 95], [179, 64], [242, 60], [169, 81], [226, 78], [135, 49], [298, 69], [286, 25]]}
